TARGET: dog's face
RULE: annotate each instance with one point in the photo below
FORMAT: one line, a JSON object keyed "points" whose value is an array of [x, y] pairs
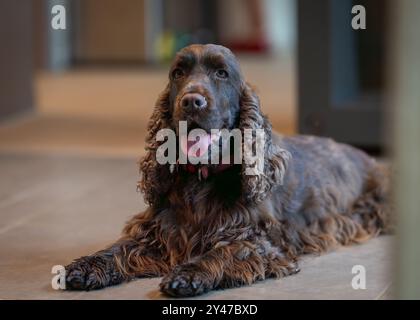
{"points": [[205, 82], [206, 90]]}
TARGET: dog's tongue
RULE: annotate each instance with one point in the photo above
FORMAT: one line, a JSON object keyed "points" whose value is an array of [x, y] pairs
{"points": [[201, 145]]}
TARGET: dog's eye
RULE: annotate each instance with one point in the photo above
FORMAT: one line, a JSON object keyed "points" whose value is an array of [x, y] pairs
{"points": [[222, 73], [177, 73]]}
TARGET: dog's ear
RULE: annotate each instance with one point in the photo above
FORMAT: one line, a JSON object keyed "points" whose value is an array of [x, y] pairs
{"points": [[257, 184], [155, 178]]}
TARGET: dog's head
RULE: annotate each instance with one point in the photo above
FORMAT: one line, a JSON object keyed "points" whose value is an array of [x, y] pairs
{"points": [[206, 90]]}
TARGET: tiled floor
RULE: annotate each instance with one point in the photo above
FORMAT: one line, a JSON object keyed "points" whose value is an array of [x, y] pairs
{"points": [[56, 208]]}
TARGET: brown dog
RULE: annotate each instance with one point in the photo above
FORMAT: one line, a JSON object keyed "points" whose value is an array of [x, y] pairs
{"points": [[231, 229]]}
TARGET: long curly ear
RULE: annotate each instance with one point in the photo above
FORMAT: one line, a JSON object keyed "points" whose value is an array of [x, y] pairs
{"points": [[155, 178], [256, 187]]}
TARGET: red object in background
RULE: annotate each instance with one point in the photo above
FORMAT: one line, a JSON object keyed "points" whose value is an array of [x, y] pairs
{"points": [[256, 40], [248, 46]]}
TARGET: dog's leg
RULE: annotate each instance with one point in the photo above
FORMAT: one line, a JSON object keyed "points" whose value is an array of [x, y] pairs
{"points": [[121, 262], [232, 265]]}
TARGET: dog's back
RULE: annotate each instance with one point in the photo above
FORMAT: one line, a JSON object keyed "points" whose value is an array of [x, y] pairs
{"points": [[331, 194]]}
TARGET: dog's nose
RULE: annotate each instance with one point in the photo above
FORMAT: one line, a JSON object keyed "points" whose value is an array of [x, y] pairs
{"points": [[193, 101]]}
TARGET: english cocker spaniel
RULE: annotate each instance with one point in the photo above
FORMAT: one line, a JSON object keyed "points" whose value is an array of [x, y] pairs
{"points": [[219, 225]]}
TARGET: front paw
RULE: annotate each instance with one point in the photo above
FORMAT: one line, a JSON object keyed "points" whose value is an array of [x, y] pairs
{"points": [[184, 283], [86, 273]]}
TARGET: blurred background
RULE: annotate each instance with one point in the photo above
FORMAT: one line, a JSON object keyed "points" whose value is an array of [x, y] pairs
{"points": [[74, 103], [101, 75], [92, 86]]}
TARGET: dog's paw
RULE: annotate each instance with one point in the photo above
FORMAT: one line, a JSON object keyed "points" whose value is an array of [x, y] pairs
{"points": [[184, 283], [85, 274]]}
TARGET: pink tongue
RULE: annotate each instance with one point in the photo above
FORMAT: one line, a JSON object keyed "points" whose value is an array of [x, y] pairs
{"points": [[201, 145]]}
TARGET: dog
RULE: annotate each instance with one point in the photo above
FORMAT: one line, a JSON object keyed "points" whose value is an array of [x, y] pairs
{"points": [[215, 226]]}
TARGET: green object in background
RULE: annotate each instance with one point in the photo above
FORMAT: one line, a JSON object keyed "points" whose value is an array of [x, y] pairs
{"points": [[182, 40], [165, 45], [168, 43]]}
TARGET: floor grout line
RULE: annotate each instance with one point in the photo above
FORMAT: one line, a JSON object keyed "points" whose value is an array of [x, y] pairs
{"points": [[384, 291]]}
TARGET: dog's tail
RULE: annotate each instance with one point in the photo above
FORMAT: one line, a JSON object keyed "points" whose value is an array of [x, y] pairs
{"points": [[374, 209]]}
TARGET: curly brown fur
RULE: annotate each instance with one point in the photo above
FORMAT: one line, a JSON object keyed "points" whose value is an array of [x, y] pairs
{"points": [[233, 229]]}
